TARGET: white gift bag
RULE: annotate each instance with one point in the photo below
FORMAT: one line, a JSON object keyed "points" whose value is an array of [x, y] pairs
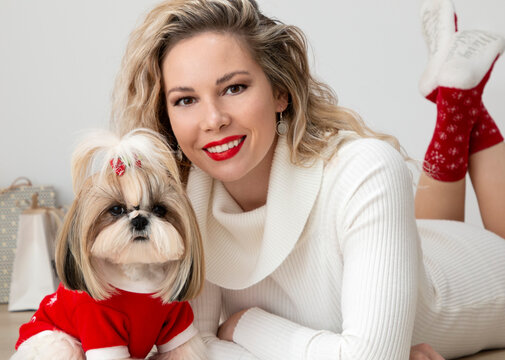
{"points": [[13, 201], [33, 272]]}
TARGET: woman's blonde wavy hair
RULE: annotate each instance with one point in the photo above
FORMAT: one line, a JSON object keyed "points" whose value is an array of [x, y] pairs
{"points": [[312, 114]]}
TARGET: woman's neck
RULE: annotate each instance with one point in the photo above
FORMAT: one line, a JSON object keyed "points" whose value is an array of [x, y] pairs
{"points": [[250, 192]]}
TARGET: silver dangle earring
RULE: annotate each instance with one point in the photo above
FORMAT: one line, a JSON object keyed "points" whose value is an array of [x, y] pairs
{"points": [[282, 126]]}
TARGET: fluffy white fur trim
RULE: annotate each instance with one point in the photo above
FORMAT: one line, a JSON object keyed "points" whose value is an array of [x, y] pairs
{"points": [[194, 349], [456, 59], [115, 352], [180, 339], [50, 345], [469, 59]]}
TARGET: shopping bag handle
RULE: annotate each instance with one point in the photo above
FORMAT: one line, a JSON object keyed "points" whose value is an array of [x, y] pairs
{"points": [[15, 184], [27, 182]]}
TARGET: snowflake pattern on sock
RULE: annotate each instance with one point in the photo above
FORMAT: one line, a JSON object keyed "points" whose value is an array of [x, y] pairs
{"points": [[463, 127], [485, 132], [447, 155]]}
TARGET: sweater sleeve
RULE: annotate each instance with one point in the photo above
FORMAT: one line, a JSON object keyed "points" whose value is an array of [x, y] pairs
{"points": [[377, 236], [207, 310], [178, 327], [111, 341]]}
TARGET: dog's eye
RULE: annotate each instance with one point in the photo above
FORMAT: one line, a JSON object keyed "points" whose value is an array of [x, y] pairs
{"points": [[117, 210], [159, 210]]}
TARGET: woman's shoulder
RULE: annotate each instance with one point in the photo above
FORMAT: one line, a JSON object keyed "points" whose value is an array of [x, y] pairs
{"points": [[351, 149], [365, 163]]}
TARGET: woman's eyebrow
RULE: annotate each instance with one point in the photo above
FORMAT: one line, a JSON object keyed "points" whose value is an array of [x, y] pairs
{"points": [[228, 76], [221, 80], [180, 88]]}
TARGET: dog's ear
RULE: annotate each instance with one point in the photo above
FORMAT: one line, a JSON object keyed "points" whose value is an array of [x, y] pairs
{"points": [[185, 277], [193, 266], [68, 252], [73, 261]]}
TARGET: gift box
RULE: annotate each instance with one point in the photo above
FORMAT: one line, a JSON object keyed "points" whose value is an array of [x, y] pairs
{"points": [[13, 201]]}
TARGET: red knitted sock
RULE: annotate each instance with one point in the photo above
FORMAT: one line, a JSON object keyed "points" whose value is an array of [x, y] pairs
{"points": [[485, 133], [463, 127], [459, 65]]}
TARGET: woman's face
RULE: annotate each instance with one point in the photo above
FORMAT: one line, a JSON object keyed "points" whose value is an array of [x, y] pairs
{"points": [[221, 106]]}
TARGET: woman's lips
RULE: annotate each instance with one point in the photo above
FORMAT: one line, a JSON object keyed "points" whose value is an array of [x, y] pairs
{"points": [[224, 149]]}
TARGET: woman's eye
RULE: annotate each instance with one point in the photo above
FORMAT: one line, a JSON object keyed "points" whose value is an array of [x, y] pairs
{"points": [[235, 89], [185, 101], [159, 210], [117, 210]]}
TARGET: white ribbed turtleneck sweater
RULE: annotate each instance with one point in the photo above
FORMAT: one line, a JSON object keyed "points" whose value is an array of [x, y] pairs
{"points": [[331, 265]]}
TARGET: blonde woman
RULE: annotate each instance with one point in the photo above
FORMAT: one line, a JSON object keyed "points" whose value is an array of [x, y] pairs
{"points": [[307, 216]]}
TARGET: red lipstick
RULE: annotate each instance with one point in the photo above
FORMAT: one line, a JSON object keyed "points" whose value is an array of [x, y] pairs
{"points": [[224, 154]]}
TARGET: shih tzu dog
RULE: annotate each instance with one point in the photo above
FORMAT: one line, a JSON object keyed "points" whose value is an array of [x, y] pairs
{"points": [[129, 256]]}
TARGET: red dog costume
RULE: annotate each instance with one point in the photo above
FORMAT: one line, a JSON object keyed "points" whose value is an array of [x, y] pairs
{"points": [[125, 325]]}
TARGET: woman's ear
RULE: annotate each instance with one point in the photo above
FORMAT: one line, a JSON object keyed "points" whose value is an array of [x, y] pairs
{"points": [[282, 99]]}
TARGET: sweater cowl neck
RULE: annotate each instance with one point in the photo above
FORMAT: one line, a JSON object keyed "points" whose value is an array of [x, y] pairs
{"points": [[243, 248]]}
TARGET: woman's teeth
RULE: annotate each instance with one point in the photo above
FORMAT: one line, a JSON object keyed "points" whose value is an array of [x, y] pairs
{"points": [[224, 147]]}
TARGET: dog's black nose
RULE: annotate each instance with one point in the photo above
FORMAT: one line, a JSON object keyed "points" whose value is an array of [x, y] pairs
{"points": [[140, 222]]}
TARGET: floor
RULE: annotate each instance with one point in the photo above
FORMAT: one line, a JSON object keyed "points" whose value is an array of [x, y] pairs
{"points": [[10, 322], [9, 325]]}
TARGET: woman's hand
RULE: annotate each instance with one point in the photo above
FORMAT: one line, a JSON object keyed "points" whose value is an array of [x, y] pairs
{"points": [[417, 352], [225, 331], [424, 352]]}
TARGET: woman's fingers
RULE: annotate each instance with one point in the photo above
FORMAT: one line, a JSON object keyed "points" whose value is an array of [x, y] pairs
{"points": [[424, 352]]}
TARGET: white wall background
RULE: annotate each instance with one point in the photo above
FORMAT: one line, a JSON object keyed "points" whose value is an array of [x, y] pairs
{"points": [[58, 60]]}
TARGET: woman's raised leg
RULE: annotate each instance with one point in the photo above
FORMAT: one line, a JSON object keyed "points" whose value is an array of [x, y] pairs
{"points": [[487, 172], [439, 199], [460, 64]]}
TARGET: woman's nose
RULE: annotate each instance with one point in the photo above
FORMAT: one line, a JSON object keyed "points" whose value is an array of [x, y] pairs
{"points": [[215, 118]]}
